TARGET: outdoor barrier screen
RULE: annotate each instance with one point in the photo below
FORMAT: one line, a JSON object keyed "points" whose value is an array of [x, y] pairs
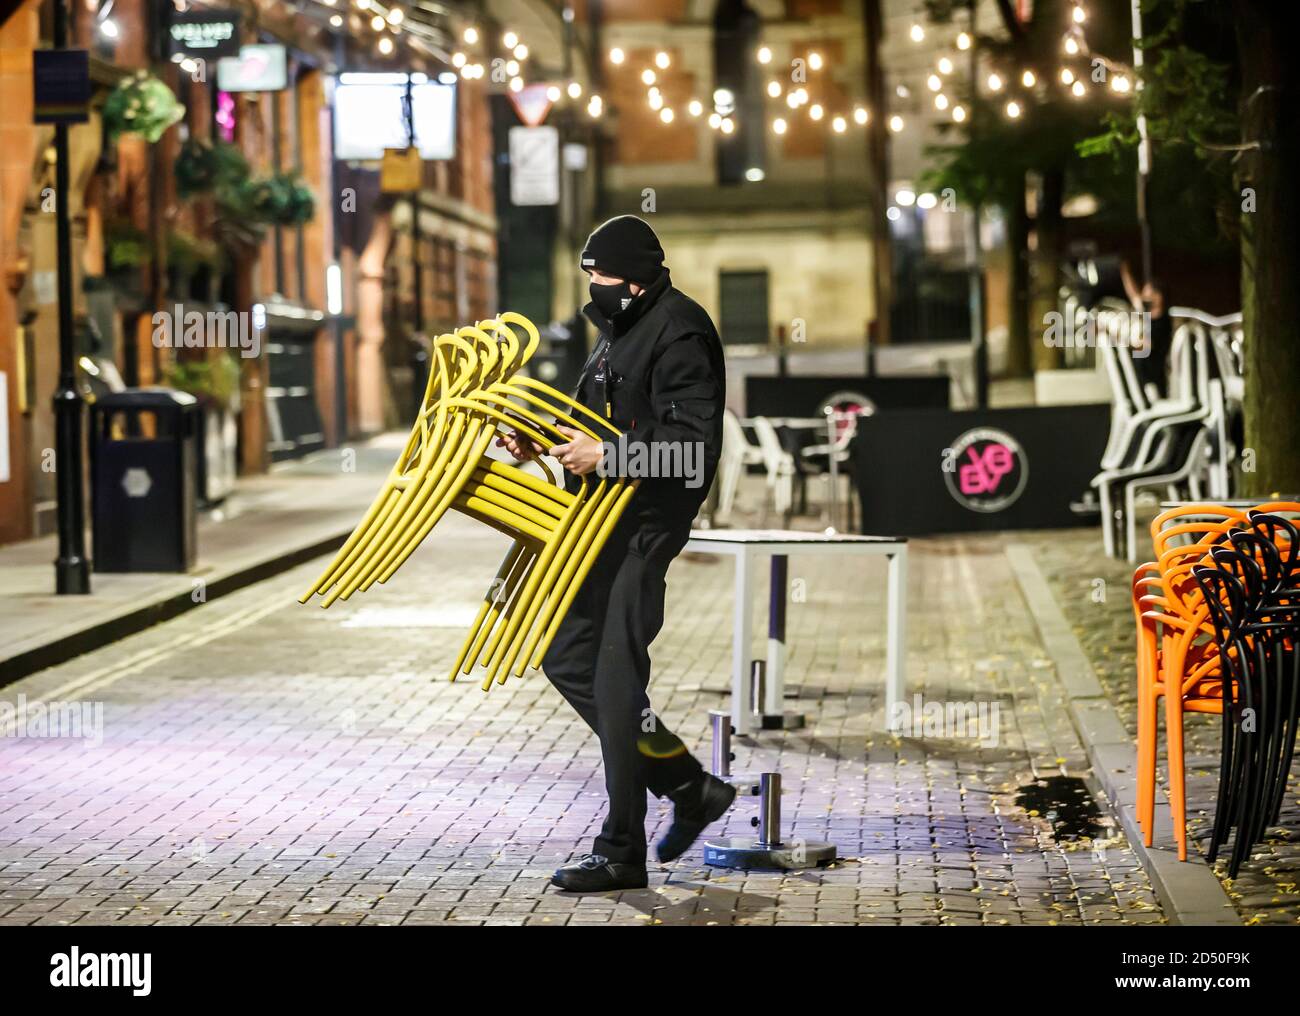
{"points": [[472, 394]]}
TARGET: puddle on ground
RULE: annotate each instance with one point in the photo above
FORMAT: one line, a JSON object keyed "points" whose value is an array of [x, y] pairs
{"points": [[1066, 803]]}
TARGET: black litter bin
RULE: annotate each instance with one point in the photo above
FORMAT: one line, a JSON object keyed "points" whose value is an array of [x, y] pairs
{"points": [[143, 449]]}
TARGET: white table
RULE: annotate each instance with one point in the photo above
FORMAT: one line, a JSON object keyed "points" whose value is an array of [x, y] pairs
{"points": [[750, 546]]}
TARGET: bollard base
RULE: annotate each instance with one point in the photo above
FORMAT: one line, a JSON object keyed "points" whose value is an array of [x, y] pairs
{"points": [[748, 854], [781, 721]]}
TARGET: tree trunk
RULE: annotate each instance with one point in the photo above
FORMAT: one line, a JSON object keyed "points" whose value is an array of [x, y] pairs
{"points": [[1270, 249], [1046, 272], [1020, 353]]}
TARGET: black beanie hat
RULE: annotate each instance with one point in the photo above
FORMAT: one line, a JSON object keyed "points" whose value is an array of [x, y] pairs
{"points": [[625, 247]]}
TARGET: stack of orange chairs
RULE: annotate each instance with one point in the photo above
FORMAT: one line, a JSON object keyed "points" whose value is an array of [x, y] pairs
{"points": [[1177, 658]]}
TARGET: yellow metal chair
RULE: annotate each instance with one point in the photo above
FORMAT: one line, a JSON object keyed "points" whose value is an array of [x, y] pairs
{"points": [[471, 396]]}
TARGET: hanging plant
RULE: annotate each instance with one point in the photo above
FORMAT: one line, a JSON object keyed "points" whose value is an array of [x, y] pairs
{"points": [[125, 247], [202, 167], [143, 105], [215, 380], [282, 199]]}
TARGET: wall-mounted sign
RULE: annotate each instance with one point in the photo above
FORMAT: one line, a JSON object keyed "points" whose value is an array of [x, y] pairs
{"points": [[60, 85], [532, 104], [401, 171], [256, 69], [208, 33], [534, 166], [369, 118]]}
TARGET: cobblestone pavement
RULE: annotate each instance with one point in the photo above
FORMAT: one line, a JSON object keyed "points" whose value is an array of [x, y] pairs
{"points": [[1094, 593], [264, 762]]}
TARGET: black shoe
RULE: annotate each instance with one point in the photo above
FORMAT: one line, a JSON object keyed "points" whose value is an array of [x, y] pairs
{"points": [[694, 807], [597, 874]]}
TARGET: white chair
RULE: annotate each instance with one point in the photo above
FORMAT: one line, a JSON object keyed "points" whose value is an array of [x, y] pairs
{"points": [[780, 467], [737, 455]]}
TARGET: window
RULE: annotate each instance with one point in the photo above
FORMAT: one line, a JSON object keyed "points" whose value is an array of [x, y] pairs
{"points": [[742, 298], [737, 90]]}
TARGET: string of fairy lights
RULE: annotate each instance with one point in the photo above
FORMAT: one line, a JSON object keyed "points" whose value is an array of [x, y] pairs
{"points": [[1025, 86], [805, 94]]}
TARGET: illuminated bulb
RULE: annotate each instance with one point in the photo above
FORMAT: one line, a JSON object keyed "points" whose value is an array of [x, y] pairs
{"points": [[1120, 83], [839, 125], [458, 60], [385, 45], [778, 126], [516, 84], [860, 115], [512, 68], [917, 33], [1028, 79], [945, 65], [715, 120], [363, 5], [553, 93], [941, 101], [995, 83], [754, 174], [108, 28], [815, 61], [470, 35], [662, 61], [959, 113], [648, 76], [1013, 109], [666, 114], [1067, 76], [934, 82], [656, 100], [616, 55], [792, 100], [521, 52], [574, 89], [1072, 45], [895, 123], [510, 40], [377, 23], [1078, 89], [906, 198], [695, 107], [963, 41], [1079, 15], [802, 95], [728, 125], [926, 201], [595, 107], [774, 89], [395, 15], [815, 111], [336, 21], [764, 55], [893, 214]]}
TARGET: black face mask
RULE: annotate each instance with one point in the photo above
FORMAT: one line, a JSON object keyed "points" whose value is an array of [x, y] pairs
{"points": [[612, 298]]}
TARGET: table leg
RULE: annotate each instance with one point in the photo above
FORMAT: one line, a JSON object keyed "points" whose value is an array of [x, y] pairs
{"points": [[896, 636], [742, 639]]}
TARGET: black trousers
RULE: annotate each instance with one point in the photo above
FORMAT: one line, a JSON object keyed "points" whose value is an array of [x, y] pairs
{"points": [[600, 662]]}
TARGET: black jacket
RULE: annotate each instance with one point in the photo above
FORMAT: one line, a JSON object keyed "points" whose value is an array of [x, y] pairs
{"points": [[657, 373]]}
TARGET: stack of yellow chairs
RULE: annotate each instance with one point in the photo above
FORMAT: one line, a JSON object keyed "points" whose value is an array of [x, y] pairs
{"points": [[473, 394]]}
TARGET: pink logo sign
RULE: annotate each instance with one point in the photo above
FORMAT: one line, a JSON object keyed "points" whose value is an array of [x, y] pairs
{"points": [[985, 470]]}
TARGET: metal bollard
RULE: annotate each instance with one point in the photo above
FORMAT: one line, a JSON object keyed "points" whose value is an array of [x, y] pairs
{"points": [[757, 686], [720, 721], [769, 810]]}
